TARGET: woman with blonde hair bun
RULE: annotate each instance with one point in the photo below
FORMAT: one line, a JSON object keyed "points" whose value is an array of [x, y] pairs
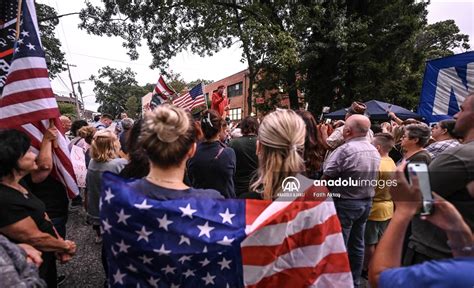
{"points": [[104, 153], [169, 139], [280, 144]]}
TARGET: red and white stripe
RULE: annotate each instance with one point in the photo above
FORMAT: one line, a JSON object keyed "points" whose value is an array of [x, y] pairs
{"points": [[27, 95], [27, 99], [298, 242], [62, 166], [163, 89], [186, 101]]}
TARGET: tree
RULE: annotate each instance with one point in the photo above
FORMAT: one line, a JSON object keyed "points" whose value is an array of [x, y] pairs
{"points": [[67, 109], [51, 44], [113, 87], [333, 51], [132, 107]]}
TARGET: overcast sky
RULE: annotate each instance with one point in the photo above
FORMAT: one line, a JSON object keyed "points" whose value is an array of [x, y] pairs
{"points": [[90, 53]]}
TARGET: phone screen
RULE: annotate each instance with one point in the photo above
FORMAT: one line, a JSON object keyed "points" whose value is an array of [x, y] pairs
{"points": [[421, 171]]}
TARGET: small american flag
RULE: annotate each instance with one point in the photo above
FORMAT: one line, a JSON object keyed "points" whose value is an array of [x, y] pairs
{"points": [[193, 98], [161, 93], [193, 242], [27, 100]]}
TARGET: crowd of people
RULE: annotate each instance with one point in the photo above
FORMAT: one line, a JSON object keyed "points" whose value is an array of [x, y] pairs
{"points": [[173, 155]]}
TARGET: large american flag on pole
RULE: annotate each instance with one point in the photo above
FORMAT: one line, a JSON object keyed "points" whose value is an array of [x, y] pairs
{"points": [[198, 242], [192, 98], [27, 102], [161, 93]]}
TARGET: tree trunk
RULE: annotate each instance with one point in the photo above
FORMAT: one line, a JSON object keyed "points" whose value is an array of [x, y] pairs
{"points": [[292, 89]]}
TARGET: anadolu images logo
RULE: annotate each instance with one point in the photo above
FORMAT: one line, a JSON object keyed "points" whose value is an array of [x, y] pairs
{"points": [[290, 184]]}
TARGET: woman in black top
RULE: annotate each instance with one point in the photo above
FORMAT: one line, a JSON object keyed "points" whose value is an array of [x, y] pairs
{"points": [[213, 165], [22, 215]]}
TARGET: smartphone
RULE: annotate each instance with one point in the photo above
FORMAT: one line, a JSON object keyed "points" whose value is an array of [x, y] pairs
{"points": [[421, 171]]}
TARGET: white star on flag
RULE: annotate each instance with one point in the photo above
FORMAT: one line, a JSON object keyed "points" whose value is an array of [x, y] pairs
{"points": [[122, 217], [108, 195], [209, 279], [31, 46], [174, 286], [227, 217], [226, 241], [113, 251], [189, 273], [187, 211], [145, 259], [132, 268], [162, 250], [20, 41], [224, 263], [123, 247], [184, 258], [107, 226], [205, 229], [25, 33], [164, 222], [143, 234], [143, 205], [204, 262], [204, 250], [153, 282], [184, 239], [118, 277], [168, 269]]}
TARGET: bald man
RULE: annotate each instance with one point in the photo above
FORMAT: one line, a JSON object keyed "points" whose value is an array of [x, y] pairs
{"points": [[354, 168]]}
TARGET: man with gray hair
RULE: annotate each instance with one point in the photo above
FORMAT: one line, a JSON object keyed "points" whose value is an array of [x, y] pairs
{"points": [[356, 159], [126, 124]]}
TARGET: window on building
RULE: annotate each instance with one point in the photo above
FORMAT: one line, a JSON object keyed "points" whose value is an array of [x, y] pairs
{"points": [[234, 90], [235, 114]]}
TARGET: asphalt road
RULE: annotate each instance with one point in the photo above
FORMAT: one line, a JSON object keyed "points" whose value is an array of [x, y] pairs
{"points": [[85, 269]]}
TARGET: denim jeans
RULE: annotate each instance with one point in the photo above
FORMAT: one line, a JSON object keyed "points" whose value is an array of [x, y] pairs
{"points": [[353, 215]]}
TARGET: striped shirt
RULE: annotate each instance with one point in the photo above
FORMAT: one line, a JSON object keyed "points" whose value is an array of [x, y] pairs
{"points": [[438, 147]]}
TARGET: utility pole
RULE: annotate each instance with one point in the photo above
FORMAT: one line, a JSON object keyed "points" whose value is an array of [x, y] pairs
{"points": [[78, 110], [79, 89]]}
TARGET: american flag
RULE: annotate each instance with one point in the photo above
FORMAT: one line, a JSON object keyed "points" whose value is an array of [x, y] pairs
{"points": [[27, 101], [193, 98], [161, 93], [197, 242]]}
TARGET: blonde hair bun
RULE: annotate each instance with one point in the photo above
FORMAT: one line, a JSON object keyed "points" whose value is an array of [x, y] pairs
{"points": [[167, 122]]}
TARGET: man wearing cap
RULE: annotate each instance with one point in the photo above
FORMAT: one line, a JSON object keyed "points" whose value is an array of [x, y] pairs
{"points": [[336, 139], [220, 103]]}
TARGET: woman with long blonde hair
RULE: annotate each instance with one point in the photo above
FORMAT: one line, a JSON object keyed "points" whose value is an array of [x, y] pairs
{"points": [[104, 153], [280, 144]]}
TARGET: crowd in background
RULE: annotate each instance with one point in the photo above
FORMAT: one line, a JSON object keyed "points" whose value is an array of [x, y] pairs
{"points": [[173, 154]]}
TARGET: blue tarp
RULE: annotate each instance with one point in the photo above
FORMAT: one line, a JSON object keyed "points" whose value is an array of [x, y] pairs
{"points": [[446, 84], [377, 110]]}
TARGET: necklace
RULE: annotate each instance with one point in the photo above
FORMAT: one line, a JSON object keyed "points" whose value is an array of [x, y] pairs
{"points": [[164, 180]]}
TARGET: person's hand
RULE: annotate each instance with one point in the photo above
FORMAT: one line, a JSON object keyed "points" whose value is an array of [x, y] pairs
{"points": [[51, 134], [391, 115], [323, 129], [386, 127], [407, 198], [71, 247], [445, 215], [32, 255], [63, 258]]}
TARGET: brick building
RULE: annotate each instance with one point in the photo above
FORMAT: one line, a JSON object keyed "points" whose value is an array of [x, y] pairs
{"points": [[236, 90]]}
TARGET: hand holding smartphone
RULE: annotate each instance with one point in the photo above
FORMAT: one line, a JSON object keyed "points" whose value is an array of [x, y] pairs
{"points": [[421, 171]]}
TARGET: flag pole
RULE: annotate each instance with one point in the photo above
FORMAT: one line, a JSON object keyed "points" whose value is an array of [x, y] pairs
{"points": [[18, 18]]}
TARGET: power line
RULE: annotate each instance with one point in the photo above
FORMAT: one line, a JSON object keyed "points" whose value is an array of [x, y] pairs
{"points": [[64, 83]]}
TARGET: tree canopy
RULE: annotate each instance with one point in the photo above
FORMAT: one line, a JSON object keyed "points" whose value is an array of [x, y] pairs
{"points": [[51, 44], [332, 51]]}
